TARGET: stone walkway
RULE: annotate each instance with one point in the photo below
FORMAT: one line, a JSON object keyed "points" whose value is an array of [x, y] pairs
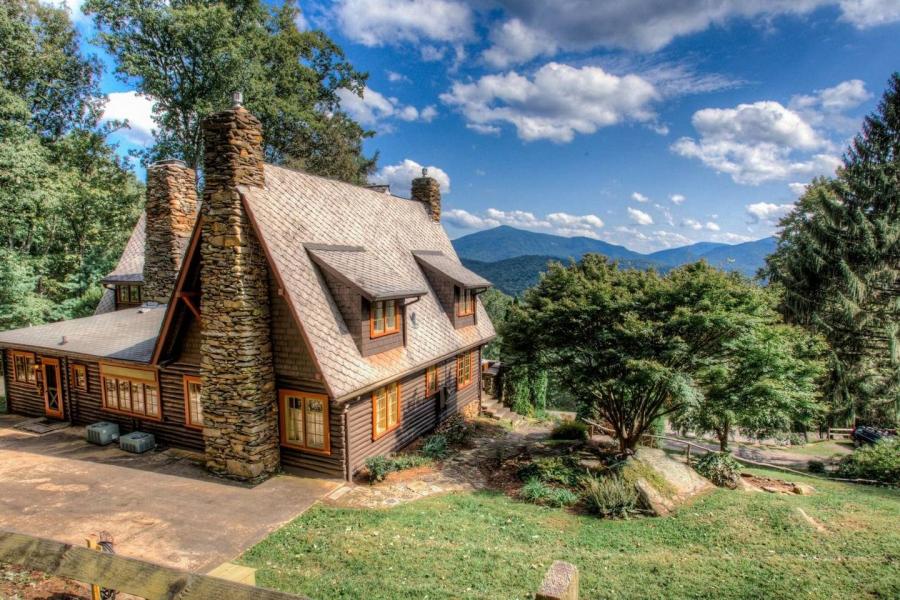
{"points": [[461, 472]]}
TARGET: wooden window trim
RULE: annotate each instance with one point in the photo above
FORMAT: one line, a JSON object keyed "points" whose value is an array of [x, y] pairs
{"points": [[437, 380], [283, 395], [141, 416], [75, 368], [188, 379], [374, 334], [26, 356], [460, 384], [460, 312], [376, 435]]}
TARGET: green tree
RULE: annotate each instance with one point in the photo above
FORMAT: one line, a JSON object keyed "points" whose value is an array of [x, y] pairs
{"points": [[496, 303], [838, 264], [190, 55], [630, 343]]}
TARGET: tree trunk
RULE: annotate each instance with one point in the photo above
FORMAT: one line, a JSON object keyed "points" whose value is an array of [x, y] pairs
{"points": [[723, 438]]}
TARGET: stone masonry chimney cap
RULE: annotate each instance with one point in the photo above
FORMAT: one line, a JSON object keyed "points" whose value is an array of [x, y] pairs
{"points": [[169, 161], [237, 99], [424, 171]]}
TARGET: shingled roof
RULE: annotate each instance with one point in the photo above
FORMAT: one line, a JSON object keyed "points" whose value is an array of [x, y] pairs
{"points": [[362, 270], [295, 210], [130, 268], [451, 268], [128, 335]]}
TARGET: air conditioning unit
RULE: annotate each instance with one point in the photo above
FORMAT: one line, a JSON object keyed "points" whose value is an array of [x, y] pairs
{"points": [[137, 442], [102, 433]]}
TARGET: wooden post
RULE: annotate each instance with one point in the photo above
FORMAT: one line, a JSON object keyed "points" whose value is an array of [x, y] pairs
{"points": [[687, 453], [93, 542], [560, 582]]}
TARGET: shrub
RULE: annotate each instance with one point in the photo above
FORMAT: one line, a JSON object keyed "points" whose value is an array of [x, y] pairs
{"points": [[538, 492], [815, 466], [609, 496], [563, 470], [455, 430], [436, 446], [795, 439], [380, 467], [879, 461], [570, 430], [719, 467]]}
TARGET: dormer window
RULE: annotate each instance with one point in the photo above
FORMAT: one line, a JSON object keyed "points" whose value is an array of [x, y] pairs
{"points": [[465, 306], [384, 318], [128, 295]]}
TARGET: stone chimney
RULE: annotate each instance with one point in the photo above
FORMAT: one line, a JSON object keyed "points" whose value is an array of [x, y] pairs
{"points": [[171, 208], [427, 190], [238, 394]]}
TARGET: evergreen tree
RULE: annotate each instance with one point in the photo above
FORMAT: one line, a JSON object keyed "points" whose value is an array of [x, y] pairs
{"points": [[838, 263]]}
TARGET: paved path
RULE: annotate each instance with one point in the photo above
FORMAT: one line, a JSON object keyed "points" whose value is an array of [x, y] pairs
{"points": [[162, 506]]}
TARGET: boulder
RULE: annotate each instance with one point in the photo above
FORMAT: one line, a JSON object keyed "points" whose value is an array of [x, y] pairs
{"points": [[652, 499], [802, 489]]}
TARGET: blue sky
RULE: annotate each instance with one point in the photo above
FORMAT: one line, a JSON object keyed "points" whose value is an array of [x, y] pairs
{"points": [[647, 123]]}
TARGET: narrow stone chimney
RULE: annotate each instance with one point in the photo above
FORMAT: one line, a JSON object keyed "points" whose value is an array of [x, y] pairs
{"points": [[171, 207], [427, 190], [238, 393]]}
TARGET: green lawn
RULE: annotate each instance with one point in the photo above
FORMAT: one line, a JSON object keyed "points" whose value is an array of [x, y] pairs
{"points": [[484, 545], [822, 449]]}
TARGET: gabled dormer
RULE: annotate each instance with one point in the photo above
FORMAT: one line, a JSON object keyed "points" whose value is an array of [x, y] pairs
{"points": [[370, 294], [456, 287]]}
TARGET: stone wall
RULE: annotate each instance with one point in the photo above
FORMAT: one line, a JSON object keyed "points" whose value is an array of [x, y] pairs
{"points": [[171, 207], [239, 399], [428, 191]]}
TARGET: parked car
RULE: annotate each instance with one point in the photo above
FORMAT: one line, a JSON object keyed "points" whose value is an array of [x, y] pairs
{"points": [[869, 435]]}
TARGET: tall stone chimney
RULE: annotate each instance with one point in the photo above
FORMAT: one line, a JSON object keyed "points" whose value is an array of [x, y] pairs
{"points": [[238, 394], [427, 190], [171, 207]]}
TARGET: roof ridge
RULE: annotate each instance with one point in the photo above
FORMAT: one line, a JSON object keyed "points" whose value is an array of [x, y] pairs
{"points": [[335, 180]]}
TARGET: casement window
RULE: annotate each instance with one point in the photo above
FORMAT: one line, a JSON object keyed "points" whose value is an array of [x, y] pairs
{"points": [[193, 409], [431, 381], [24, 368], [466, 304], [79, 377], [385, 410], [384, 318], [128, 294], [304, 421], [130, 391], [465, 366]]}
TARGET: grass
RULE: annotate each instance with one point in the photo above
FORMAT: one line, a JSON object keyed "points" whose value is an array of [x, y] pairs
{"points": [[727, 544], [822, 449]]}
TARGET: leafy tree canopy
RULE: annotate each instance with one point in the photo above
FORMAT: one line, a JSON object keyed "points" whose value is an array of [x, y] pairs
{"points": [[189, 56]]}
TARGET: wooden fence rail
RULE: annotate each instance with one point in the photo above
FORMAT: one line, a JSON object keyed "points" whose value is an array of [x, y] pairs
{"points": [[123, 574]]}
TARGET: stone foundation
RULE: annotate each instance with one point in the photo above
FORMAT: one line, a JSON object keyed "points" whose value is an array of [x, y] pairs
{"points": [[471, 410], [171, 207], [239, 396]]}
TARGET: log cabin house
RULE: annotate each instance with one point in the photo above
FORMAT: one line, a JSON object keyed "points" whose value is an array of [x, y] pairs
{"points": [[287, 321]]}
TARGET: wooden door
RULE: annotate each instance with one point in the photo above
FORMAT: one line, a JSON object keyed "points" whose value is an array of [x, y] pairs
{"points": [[53, 388]]}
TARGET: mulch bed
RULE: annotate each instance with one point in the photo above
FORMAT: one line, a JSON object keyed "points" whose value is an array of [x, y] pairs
{"points": [[768, 484], [17, 582]]}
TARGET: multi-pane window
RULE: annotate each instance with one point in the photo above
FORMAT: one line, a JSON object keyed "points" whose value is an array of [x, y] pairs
{"points": [[193, 409], [466, 303], [128, 294], [464, 369], [385, 409], [79, 377], [384, 318], [431, 381], [24, 367], [130, 391], [304, 421]]}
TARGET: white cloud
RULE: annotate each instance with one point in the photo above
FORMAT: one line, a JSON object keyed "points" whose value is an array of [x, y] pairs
{"points": [[375, 108], [535, 28], [136, 110], [666, 213], [798, 188], [767, 212], [711, 226], [639, 216], [869, 13], [555, 104], [755, 143], [400, 176], [558, 223], [75, 10], [732, 238], [692, 224], [677, 198], [639, 197], [389, 22], [395, 77]]}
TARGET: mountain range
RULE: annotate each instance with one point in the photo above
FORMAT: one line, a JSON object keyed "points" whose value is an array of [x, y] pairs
{"points": [[513, 258]]}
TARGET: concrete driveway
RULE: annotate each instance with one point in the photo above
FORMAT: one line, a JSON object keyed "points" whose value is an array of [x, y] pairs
{"points": [[161, 506]]}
